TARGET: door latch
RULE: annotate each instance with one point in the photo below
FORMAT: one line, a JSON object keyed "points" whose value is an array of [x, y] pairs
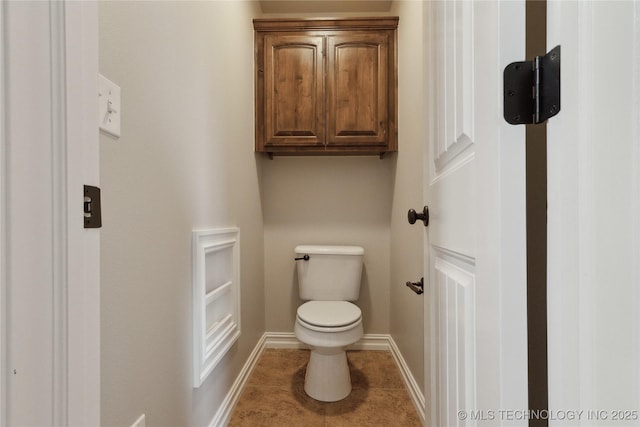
{"points": [[92, 207], [532, 89]]}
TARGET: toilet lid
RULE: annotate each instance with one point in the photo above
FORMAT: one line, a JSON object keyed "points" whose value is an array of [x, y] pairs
{"points": [[330, 314]]}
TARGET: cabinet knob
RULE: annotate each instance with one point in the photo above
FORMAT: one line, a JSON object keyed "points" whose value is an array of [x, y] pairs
{"points": [[413, 216]]}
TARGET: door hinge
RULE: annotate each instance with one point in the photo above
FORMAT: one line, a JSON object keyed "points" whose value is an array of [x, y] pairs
{"points": [[532, 89], [92, 208]]}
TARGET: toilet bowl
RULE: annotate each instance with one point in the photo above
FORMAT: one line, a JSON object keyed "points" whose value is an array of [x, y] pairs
{"points": [[328, 327]]}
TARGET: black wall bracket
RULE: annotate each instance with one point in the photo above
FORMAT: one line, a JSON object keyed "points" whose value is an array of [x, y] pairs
{"points": [[417, 287], [532, 89]]}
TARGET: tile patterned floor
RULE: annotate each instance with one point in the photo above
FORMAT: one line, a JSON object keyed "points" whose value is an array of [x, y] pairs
{"points": [[274, 394]]}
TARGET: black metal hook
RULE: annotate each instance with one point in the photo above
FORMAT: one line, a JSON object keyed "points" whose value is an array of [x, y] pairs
{"points": [[417, 287]]}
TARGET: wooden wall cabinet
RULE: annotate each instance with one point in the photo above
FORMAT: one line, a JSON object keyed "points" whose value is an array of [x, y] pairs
{"points": [[326, 86]]}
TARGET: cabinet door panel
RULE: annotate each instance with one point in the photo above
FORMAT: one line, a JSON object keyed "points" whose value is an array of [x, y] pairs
{"points": [[294, 90], [357, 83]]}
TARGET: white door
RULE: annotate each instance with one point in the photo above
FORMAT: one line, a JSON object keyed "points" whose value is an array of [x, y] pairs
{"points": [[594, 214], [49, 265], [475, 243]]}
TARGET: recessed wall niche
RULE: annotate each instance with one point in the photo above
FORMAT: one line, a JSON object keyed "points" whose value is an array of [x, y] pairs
{"points": [[216, 297]]}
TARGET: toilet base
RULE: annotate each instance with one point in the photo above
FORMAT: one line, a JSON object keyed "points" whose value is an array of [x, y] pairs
{"points": [[327, 378]]}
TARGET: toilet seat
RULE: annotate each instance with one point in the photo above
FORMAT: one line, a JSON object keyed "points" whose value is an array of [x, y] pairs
{"points": [[329, 316]]}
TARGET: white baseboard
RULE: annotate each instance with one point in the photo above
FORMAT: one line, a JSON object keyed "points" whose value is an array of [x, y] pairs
{"points": [[289, 340], [283, 340], [415, 392], [223, 414]]}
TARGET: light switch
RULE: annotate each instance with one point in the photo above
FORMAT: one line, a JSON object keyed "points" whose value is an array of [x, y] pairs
{"points": [[108, 106]]}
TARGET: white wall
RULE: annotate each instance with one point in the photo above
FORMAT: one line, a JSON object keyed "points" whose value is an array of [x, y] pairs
{"points": [[326, 200], [407, 253], [185, 160], [358, 201]]}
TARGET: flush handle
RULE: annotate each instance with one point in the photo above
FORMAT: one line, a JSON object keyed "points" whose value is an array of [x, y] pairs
{"points": [[305, 258], [413, 216]]}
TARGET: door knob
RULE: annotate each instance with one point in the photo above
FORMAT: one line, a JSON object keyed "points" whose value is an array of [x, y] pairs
{"points": [[413, 216]]}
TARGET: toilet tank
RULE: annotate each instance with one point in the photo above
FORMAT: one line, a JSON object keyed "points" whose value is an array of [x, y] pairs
{"points": [[332, 273]]}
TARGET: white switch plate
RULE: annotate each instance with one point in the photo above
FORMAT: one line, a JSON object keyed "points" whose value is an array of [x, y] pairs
{"points": [[108, 106], [140, 422]]}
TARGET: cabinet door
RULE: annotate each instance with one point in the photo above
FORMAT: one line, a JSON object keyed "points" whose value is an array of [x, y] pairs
{"points": [[357, 89], [294, 91]]}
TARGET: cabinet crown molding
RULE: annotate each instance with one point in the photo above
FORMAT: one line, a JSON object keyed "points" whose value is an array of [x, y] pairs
{"points": [[299, 24]]}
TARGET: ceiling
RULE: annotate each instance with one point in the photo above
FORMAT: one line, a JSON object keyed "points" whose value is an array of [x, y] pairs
{"points": [[325, 6]]}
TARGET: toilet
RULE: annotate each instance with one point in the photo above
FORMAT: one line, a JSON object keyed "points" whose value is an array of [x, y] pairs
{"points": [[328, 279]]}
